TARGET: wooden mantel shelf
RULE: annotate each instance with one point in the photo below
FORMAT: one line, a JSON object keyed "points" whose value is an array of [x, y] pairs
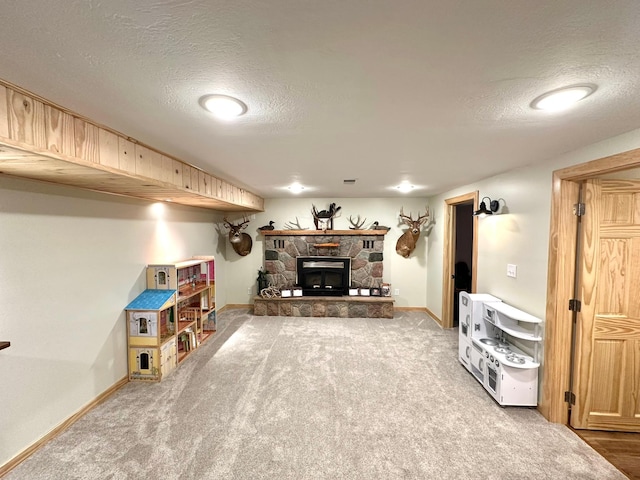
{"points": [[43, 141], [301, 233], [4, 345]]}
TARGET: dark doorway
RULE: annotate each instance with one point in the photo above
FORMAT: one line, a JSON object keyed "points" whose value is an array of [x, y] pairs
{"points": [[463, 253]]}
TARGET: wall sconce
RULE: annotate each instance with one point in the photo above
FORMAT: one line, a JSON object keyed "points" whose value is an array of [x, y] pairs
{"points": [[483, 211]]}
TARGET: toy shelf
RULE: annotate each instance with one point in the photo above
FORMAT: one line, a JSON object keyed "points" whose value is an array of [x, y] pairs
{"points": [[172, 318]]}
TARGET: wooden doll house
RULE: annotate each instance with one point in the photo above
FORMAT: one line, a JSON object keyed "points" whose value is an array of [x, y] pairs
{"points": [[170, 319]]}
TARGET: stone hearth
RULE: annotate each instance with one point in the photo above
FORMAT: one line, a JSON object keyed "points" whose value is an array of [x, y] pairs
{"points": [[343, 307]]}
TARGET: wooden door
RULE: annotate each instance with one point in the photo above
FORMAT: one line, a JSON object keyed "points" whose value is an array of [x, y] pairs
{"points": [[607, 359]]}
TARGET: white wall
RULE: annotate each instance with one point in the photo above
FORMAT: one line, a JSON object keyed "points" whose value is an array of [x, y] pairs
{"points": [[407, 274], [519, 237], [70, 261]]}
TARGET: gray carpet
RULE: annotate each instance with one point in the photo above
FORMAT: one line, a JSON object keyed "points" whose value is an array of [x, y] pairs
{"points": [[316, 398]]}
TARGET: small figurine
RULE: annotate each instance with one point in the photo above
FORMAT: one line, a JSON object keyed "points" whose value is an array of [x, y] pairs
{"points": [[377, 226], [267, 227]]}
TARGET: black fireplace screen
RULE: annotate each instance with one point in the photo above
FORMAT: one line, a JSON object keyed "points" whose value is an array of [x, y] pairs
{"points": [[324, 275]]}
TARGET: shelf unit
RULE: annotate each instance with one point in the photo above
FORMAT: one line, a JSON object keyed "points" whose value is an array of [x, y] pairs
{"points": [[172, 318], [514, 322]]}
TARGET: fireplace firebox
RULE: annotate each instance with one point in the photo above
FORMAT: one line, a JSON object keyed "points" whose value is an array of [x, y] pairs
{"points": [[321, 276]]}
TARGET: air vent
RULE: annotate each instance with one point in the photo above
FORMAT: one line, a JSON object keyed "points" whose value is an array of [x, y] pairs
{"points": [[349, 181]]}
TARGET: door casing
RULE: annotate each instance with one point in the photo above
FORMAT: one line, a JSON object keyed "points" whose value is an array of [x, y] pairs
{"points": [[561, 275], [449, 253]]}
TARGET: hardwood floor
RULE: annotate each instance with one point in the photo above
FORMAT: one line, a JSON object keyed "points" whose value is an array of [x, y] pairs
{"points": [[621, 449]]}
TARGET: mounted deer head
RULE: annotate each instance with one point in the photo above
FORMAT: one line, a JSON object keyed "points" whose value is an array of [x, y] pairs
{"points": [[240, 241], [407, 242]]}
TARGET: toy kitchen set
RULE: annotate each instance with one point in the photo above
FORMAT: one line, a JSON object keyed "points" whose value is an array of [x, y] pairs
{"points": [[499, 345]]}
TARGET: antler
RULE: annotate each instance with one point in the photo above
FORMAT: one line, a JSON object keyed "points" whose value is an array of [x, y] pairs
{"points": [[357, 225], [243, 225], [410, 221], [422, 219], [293, 225], [239, 226]]}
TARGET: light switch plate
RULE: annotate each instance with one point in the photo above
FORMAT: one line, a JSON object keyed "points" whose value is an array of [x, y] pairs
{"points": [[512, 270]]}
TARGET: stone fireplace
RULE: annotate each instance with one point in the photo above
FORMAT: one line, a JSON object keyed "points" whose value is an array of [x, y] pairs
{"points": [[325, 252], [364, 248]]}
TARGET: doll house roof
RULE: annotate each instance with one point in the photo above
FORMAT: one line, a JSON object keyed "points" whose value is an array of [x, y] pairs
{"points": [[152, 300]]}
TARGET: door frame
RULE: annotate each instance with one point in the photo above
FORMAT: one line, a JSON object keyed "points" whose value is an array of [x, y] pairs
{"points": [[449, 253], [561, 275]]}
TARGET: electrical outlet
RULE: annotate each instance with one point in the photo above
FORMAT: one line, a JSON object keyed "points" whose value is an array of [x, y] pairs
{"points": [[396, 292], [249, 290], [512, 270]]}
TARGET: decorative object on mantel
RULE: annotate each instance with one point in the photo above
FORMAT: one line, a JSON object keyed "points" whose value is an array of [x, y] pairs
{"points": [[285, 292], [325, 245], [376, 226], [356, 224], [267, 227], [407, 242], [385, 290], [294, 225], [324, 218], [240, 241], [375, 292]]}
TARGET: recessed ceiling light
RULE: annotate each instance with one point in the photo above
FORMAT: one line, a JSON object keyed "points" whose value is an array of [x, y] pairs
{"points": [[562, 98], [223, 107], [295, 188], [405, 187]]}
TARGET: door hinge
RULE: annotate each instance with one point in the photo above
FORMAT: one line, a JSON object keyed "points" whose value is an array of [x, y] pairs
{"points": [[578, 209], [574, 305], [570, 397]]}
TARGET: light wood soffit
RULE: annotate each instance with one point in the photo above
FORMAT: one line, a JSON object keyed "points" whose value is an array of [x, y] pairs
{"points": [[43, 141]]}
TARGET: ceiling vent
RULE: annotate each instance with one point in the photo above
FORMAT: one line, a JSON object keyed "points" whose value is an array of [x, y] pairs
{"points": [[349, 181]]}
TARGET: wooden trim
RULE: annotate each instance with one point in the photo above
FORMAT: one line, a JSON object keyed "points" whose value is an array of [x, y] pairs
{"points": [[560, 278], [299, 233], [411, 309], [560, 285], [26, 453], [434, 316], [230, 306], [4, 345], [448, 254], [610, 164]]}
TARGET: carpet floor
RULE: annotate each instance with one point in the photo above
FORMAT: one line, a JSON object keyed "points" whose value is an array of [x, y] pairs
{"points": [[316, 398]]}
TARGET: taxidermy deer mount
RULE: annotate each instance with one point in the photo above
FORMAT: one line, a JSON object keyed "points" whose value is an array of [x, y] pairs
{"points": [[324, 218], [407, 242], [240, 241]]}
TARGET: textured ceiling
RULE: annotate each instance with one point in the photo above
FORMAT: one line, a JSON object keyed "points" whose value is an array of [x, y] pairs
{"points": [[428, 91]]}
